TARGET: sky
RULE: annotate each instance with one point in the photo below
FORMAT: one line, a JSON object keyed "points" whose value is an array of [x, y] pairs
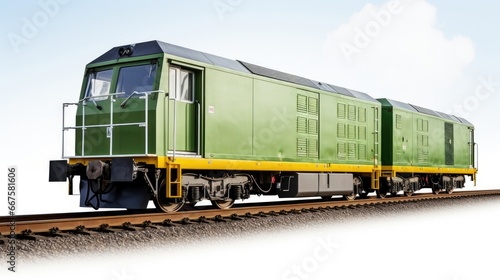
{"points": [[438, 55], [441, 55]]}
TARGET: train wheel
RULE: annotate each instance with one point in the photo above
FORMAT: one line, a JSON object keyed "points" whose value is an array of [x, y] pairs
{"points": [[394, 193], [350, 197], [408, 194], [359, 187], [363, 195], [381, 193], [326, 198], [435, 189], [449, 190], [164, 204], [223, 204], [384, 188], [169, 207]]}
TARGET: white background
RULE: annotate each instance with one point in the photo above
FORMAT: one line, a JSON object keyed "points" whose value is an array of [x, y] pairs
{"points": [[441, 55], [414, 51]]}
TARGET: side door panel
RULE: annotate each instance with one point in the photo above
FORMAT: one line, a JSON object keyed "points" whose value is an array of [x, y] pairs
{"points": [[449, 146]]}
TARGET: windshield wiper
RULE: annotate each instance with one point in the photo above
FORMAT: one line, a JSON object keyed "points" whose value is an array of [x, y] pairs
{"points": [[96, 105], [127, 99], [93, 101]]}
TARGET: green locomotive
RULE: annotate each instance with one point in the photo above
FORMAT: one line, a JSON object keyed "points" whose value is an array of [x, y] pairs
{"points": [[160, 122], [424, 148]]}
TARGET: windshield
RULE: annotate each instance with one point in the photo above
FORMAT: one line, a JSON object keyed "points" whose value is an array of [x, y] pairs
{"points": [[98, 84], [136, 78]]}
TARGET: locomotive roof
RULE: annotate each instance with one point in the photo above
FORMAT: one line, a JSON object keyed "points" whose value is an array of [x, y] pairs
{"points": [[415, 108], [158, 47]]}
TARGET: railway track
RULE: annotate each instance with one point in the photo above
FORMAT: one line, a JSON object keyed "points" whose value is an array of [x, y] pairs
{"points": [[53, 225]]}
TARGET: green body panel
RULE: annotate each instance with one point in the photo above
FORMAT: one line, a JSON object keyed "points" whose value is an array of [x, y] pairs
{"points": [[347, 130], [161, 124], [402, 141], [462, 149], [273, 121], [417, 139], [327, 127], [255, 118], [185, 128], [126, 139], [228, 112]]}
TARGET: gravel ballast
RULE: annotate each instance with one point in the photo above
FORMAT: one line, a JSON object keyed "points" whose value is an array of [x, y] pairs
{"points": [[202, 233]]}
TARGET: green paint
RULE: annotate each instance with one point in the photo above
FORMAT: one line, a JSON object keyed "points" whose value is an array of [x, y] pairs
{"points": [[416, 139], [128, 139]]}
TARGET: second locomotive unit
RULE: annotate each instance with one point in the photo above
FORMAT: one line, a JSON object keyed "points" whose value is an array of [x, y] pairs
{"points": [[155, 121]]}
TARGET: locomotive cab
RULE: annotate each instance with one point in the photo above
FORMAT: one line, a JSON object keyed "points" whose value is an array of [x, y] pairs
{"points": [[116, 109], [136, 109]]}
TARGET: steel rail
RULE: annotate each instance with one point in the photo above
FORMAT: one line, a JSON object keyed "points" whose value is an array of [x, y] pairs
{"points": [[119, 218]]}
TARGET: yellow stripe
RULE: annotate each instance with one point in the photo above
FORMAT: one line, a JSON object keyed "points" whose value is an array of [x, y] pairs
{"points": [[430, 170], [228, 164], [252, 165], [153, 160], [249, 165]]}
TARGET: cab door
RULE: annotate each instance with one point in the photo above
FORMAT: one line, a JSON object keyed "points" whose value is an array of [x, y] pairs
{"points": [[183, 112], [449, 145]]}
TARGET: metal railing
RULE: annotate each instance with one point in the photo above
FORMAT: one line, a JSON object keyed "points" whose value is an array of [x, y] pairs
{"points": [[109, 126], [375, 136]]}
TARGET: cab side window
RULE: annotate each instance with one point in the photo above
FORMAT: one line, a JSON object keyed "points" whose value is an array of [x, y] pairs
{"points": [[181, 84]]}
